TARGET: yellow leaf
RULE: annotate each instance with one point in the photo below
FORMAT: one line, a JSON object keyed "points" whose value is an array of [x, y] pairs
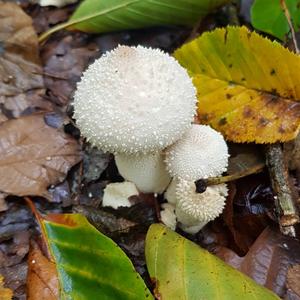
{"points": [[248, 87], [5, 294]]}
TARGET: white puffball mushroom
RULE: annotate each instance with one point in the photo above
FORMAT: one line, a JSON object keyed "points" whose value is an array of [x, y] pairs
{"points": [[147, 171], [167, 215], [134, 100], [117, 194], [201, 153], [197, 209]]}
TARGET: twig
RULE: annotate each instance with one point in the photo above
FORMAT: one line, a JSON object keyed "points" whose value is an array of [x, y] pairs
{"points": [[218, 180], [278, 169], [289, 20], [285, 207]]}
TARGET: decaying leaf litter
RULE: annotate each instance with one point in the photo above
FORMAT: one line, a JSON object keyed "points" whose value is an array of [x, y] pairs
{"points": [[247, 226]]}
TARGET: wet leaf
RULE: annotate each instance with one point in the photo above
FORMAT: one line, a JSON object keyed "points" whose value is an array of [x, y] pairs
{"points": [[21, 84], [105, 16], [42, 281], [268, 259], [34, 155], [89, 264], [183, 270], [248, 87], [268, 16], [5, 293]]}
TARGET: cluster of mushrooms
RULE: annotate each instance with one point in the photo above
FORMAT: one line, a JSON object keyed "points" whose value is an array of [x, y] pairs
{"points": [[139, 104]]}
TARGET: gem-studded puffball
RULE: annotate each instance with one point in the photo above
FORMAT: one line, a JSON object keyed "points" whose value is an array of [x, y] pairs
{"points": [[201, 153], [133, 100], [193, 208]]}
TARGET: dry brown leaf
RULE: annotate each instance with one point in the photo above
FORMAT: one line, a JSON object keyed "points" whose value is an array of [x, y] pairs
{"points": [[268, 260], [293, 279], [42, 280], [5, 294], [34, 155], [21, 84]]}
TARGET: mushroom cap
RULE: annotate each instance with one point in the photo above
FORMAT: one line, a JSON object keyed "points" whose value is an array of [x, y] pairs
{"points": [[134, 99], [201, 153], [194, 208], [147, 171]]}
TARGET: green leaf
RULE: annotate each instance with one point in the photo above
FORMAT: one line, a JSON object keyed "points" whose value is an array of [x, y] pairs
{"points": [[268, 16], [248, 87], [183, 270], [89, 264], [104, 16]]}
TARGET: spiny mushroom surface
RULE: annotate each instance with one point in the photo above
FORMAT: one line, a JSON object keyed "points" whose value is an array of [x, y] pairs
{"points": [[201, 153], [134, 100], [147, 171], [194, 208]]}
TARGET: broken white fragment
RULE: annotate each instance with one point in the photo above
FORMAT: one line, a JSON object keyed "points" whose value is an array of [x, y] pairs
{"points": [[57, 3], [117, 194]]}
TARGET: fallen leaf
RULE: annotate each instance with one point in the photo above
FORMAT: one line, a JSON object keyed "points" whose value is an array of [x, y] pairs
{"points": [[248, 87], [269, 17], [88, 263], [34, 156], [94, 16], [21, 85], [42, 280], [183, 270], [293, 279], [5, 293], [268, 259]]}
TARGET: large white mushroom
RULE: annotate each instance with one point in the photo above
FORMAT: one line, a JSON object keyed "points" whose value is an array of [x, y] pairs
{"points": [[135, 101], [201, 153]]}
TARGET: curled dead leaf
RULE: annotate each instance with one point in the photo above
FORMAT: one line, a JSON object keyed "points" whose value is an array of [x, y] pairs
{"points": [[42, 280], [34, 156], [293, 279]]}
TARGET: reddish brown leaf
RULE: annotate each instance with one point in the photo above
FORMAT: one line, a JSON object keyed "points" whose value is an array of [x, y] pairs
{"points": [[34, 155], [268, 260], [42, 280], [21, 84]]}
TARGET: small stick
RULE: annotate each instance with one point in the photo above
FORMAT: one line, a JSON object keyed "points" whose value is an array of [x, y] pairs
{"points": [[284, 203], [218, 180]]}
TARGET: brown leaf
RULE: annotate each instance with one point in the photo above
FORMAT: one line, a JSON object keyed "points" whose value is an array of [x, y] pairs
{"points": [[42, 280], [5, 294], [34, 155], [21, 84], [293, 279], [268, 260]]}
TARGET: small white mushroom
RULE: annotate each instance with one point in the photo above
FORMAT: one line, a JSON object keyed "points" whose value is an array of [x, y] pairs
{"points": [[134, 100], [201, 153], [117, 194], [168, 216], [147, 171], [194, 210], [170, 194]]}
